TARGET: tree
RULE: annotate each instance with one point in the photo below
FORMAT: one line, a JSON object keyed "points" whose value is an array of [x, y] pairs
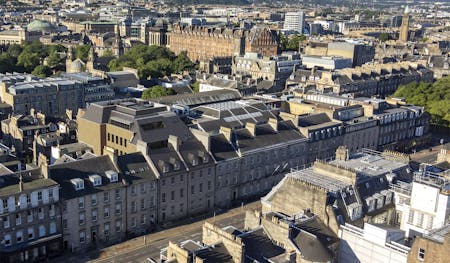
{"points": [[82, 52], [383, 37], [7, 63], [196, 86], [182, 62], [54, 60], [42, 71], [156, 92], [291, 43], [434, 97]]}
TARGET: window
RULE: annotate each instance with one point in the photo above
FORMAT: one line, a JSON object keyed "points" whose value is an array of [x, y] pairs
{"points": [[19, 236], [421, 255], [181, 193], [125, 142], [41, 231], [82, 236], [163, 197], [133, 222], [193, 189], [41, 213], [143, 219], [118, 225], [94, 200], [118, 209], [94, 215], [81, 218], [29, 216], [121, 141], [18, 219], [117, 194], [7, 240], [172, 195], [81, 202], [52, 228], [30, 233], [39, 196], [106, 229], [181, 208], [106, 197], [65, 223], [117, 139], [142, 204], [200, 188], [172, 180], [133, 189], [133, 207], [209, 185], [6, 222], [411, 217], [143, 188], [109, 137], [106, 212]]}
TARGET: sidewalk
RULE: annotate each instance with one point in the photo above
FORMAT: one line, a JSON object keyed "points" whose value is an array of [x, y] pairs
{"points": [[160, 234]]}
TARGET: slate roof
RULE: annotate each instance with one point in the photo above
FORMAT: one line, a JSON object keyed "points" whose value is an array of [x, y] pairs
{"points": [[134, 167], [63, 173]]}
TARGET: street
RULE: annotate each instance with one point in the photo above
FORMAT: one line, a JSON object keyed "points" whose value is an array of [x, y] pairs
{"points": [[134, 250]]}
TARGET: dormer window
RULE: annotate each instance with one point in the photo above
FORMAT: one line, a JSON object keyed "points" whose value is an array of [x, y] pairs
{"points": [[194, 161], [78, 184], [112, 176], [95, 179], [165, 168], [176, 166], [205, 159]]}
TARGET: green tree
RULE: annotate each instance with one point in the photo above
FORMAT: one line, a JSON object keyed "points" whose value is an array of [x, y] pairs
{"points": [[7, 63], [182, 62], [82, 52], [14, 50], [54, 60], [156, 92], [196, 86], [42, 71], [434, 97]]}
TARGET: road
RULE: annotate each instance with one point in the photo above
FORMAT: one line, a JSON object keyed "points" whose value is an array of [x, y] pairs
{"points": [[136, 251], [152, 250]]}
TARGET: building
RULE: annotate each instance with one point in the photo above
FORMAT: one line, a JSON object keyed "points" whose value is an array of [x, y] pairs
{"points": [[404, 28], [432, 247], [20, 36], [373, 243], [19, 132], [51, 96], [294, 21], [205, 43], [31, 223], [422, 206], [351, 189], [367, 80], [242, 137], [93, 201], [330, 63], [183, 166], [275, 68], [95, 88], [359, 53]]}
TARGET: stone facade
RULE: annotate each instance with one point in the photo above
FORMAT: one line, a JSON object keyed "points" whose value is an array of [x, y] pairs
{"points": [[204, 43]]}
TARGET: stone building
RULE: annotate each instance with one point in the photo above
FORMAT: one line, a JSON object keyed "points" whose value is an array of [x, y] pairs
{"points": [[352, 189], [404, 27], [183, 166], [367, 80], [51, 96], [19, 132], [432, 247], [251, 145], [204, 43], [93, 202], [30, 211]]}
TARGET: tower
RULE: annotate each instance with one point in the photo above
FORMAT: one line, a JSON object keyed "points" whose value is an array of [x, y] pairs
{"points": [[91, 60], [404, 28], [69, 57]]}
